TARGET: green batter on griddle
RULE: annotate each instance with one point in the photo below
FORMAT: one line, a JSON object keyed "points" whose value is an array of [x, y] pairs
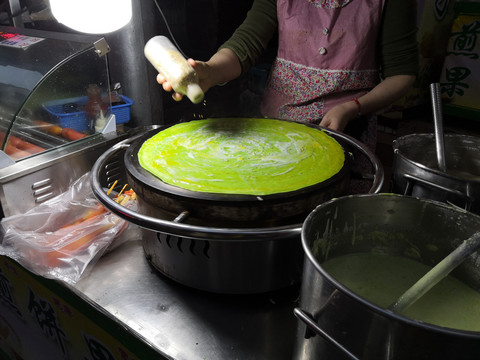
{"points": [[241, 156]]}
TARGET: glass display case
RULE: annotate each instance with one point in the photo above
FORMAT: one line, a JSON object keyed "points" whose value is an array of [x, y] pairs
{"points": [[57, 112], [54, 91]]}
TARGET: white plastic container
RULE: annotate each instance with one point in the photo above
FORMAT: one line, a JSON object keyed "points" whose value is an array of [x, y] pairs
{"points": [[168, 61]]}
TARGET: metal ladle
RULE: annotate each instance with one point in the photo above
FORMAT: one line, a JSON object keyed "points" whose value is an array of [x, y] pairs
{"points": [[437, 273], [439, 136], [438, 121]]}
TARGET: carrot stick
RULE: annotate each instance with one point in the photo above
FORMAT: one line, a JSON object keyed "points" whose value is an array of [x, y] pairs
{"points": [[15, 153], [48, 127], [53, 258], [88, 215]]}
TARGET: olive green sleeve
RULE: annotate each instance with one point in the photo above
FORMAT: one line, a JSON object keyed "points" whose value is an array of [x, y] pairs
{"points": [[251, 38], [398, 38]]}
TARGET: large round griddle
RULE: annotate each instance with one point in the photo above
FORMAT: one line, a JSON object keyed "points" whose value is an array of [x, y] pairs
{"points": [[155, 194], [223, 257]]}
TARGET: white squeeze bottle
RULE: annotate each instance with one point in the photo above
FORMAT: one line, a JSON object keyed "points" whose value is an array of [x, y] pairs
{"points": [[168, 61]]}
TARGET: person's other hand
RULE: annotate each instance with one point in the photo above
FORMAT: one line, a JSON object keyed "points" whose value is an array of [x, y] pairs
{"points": [[338, 117]]}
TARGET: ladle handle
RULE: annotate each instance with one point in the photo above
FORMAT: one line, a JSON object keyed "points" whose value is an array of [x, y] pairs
{"points": [[310, 322], [437, 273], [438, 122]]}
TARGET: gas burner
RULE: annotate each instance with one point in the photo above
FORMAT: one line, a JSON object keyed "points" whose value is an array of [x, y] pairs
{"points": [[215, 254]]}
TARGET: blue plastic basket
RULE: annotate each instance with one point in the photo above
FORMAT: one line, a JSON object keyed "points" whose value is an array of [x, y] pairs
{"points": [[77, 120], [122, 112]]}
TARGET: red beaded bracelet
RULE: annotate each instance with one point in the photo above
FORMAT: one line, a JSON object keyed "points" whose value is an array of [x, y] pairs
{"points": [[355, 100]]}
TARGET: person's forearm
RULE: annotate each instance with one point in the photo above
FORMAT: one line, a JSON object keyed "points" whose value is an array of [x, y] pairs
{"points": [[222, 67], [380, 97], [385, 93]]}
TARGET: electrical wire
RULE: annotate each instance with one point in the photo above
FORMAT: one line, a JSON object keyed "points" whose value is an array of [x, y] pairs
{"points": [[168, 28]]}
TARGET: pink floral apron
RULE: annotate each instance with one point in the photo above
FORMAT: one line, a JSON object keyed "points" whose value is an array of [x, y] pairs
{"points": [[326, 56]]}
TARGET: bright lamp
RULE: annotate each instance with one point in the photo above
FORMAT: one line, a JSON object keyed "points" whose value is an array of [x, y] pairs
{"points": [[92, 16]]}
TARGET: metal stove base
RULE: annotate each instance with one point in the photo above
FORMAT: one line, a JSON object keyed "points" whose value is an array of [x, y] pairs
{"points": [[185, 323]]}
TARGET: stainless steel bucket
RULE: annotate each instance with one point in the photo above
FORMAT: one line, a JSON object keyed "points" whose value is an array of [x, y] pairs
{"points": [[336, 323], [415, 169]]}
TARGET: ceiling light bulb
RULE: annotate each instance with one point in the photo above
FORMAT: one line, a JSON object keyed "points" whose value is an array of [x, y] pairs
{"points": [[92, 16]]}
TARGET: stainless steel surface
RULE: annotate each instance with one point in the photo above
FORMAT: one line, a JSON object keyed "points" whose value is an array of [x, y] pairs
{"points": [[386, 224], [34, 180], [186, 324], [416, 173], [438, 122]]}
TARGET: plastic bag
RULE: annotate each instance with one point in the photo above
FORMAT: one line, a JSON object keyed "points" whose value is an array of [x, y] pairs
{"points": [[63, 236]]}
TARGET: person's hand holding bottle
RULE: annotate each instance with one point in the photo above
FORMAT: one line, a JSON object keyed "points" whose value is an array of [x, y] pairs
{"points": [[222, 67]]}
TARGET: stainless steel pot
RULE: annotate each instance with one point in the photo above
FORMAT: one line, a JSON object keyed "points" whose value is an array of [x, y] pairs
{"points": [[415, 169], [336, 323], [211, 255]]}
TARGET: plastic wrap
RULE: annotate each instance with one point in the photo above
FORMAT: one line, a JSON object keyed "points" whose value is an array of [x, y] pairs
{"points": [[64, 236]]}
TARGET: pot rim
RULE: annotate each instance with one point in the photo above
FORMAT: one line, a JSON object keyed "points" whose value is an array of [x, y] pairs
{"points": [[379, 309], [398, 152]]}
